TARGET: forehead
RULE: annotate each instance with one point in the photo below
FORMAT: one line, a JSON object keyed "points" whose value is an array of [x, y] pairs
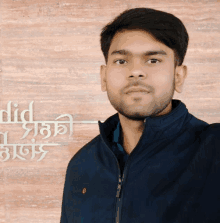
{"points": [[137, 42]]}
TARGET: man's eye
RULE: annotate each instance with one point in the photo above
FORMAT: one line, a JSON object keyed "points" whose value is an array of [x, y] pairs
{"points": [[151, 61], [120, 61]]}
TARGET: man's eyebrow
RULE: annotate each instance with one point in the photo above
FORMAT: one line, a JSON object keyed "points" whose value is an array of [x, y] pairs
{"points": [[148, 53]]}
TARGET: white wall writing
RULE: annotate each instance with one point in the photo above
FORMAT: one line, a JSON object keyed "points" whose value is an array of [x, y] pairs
{"points": [[29, 125]]}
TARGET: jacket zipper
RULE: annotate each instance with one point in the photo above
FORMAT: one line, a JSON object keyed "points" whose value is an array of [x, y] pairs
{"points": [[119, 192], [119, 187], [118, 200], [120, 181]]}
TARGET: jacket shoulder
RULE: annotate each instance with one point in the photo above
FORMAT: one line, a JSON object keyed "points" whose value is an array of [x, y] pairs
{"points": [[211, 135], [86, 150], [213, 128]]}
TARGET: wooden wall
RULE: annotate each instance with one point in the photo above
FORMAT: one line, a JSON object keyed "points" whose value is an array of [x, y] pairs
{"points": [[50, 54]]}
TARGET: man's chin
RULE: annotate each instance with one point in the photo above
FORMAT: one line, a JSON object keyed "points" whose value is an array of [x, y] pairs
{"points": [[134, 116]]}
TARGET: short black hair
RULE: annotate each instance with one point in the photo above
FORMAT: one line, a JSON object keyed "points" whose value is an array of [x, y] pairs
{"points": [[163, 26]]}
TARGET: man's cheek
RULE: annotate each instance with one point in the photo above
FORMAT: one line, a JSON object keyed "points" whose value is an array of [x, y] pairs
{"points": [[117, 80]]}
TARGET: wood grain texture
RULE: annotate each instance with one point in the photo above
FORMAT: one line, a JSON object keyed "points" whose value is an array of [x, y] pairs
{"points": [[50, 54]]}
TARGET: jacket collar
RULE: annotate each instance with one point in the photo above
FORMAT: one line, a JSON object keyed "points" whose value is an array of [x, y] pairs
{"points": [[156, 128]]}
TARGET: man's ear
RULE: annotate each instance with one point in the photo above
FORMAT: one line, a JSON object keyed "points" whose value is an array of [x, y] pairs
{"points": [[103, 77], [180, 76]]}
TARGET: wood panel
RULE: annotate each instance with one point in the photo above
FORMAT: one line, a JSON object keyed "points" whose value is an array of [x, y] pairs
{"points": [[50, 54]]}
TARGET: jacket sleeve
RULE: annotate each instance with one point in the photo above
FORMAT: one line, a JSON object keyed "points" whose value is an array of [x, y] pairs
{"points": [[63, 218], [210, 205]]}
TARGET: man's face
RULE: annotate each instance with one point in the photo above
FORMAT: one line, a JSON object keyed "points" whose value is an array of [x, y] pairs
{"points": [[137, 60]]}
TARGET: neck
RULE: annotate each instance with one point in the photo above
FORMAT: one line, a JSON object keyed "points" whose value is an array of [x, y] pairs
{"points": [[131, 132]]}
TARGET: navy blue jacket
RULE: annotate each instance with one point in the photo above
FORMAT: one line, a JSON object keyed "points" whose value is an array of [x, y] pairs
{"points": [[171, 176]]}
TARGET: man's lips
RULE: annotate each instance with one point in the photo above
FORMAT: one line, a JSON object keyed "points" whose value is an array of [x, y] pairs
{"points": [[143, 90]]}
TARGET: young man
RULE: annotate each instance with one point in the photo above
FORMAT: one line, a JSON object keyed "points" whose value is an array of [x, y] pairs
{"points": [[153, 161]]}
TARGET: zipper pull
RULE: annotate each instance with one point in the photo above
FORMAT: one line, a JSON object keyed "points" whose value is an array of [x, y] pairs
{"points": [[119, 188]]}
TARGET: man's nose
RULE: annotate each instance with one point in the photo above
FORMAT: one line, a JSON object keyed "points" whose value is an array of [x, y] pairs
{"points": [[137, 70]]}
